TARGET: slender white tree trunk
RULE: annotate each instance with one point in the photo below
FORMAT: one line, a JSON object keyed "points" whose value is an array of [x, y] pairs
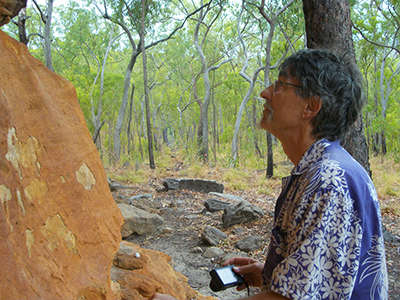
{"points": [[48, 35]]}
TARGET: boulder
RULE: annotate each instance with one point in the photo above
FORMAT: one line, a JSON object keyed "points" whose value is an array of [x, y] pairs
{"points": [[154, 275], [230, 197], [116, 186], [142, 201], [213, 252], [138, 221], [213, 205], [59, 225], [241, 212], [249, 243], [197, 185], [212, 235]]}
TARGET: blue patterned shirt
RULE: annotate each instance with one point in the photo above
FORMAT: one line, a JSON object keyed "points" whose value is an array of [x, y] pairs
{"points": [[327, 241]]}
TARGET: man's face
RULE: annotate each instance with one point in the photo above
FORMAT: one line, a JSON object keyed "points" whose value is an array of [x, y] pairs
{"points": [[283, 107]]}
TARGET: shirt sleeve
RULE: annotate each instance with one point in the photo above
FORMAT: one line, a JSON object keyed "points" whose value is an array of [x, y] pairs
{"points": [[322, 246]]}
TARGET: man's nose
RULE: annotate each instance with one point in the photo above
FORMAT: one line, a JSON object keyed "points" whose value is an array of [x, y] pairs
{"points": [[266, 93]]}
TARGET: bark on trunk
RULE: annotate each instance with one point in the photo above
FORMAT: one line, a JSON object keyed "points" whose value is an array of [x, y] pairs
{"points": [[328, 25], [146, 91], [23, 38], [47, 36], [270, 157], [122, 109]]}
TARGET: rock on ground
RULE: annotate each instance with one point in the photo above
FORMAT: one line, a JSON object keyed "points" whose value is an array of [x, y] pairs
{"points": [[138, 221], [142, 272]]}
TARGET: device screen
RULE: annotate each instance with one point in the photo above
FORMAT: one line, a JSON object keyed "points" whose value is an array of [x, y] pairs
{"points": [[227, 276]]}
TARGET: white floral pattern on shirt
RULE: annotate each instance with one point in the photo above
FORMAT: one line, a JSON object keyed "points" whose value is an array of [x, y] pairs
{"points": [[321, 247]]}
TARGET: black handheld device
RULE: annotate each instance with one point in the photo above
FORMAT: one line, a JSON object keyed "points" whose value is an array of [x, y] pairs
{"points": [[223, 278]]}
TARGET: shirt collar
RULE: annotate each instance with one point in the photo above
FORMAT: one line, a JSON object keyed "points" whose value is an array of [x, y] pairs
{"points": [[311, 156]]}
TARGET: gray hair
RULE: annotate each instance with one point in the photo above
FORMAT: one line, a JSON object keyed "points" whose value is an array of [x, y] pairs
{"points": [[336, 82]]}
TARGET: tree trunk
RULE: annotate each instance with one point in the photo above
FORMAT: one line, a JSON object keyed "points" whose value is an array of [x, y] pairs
{"points": [[47, 36], [328, 25], [21, 27], [270, 158], [96, 114], [251, 80], [375, 139], [146, 90], [254, 126], [122, 109], [203, 151], [383, 143], [214, 123], [129, 131], [165, 136]]}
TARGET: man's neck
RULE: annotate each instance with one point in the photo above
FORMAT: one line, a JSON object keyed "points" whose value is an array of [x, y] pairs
{"points": [[295, 147]]}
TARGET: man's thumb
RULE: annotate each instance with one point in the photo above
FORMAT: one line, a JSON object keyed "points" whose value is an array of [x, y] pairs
{"points": [[241, 270]]}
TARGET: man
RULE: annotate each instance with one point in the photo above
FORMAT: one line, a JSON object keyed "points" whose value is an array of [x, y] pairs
{"points": [[326, 242]]}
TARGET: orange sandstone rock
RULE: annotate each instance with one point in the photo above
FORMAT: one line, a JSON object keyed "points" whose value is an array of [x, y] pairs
{"points": [[151, 273], [59, 225]]}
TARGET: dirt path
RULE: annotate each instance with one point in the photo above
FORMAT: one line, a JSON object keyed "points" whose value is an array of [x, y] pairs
{"points": [[183, 222], [181, 239]]}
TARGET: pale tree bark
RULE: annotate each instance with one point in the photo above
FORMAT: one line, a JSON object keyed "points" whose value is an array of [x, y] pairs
{"points": [[136, 51], [367, 115], [385, 89], [96, 111], [137, 115], [251, 81], [146, 89], [181, 110], [328, 25], [129, 132], [214, 122], [376, 137], [48, 35], [203, 151], [272, 21], [204, 105]]}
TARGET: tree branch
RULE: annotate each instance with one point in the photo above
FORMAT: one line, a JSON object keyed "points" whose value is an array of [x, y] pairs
{"points": [[179, 27], [42, 16], [376, 43], [122, 25]]}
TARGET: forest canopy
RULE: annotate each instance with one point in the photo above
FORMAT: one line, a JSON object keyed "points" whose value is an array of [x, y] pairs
{"points": [[204, 64]]}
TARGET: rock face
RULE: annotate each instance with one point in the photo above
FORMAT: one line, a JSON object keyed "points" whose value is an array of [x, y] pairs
{"points": [[59, 225]]}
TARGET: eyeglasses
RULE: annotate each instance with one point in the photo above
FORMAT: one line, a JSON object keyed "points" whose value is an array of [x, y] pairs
{"points": [[279, 83]]}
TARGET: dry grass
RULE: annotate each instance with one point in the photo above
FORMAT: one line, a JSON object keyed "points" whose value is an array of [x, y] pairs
{"points": [[386, 177], [247, 178]]}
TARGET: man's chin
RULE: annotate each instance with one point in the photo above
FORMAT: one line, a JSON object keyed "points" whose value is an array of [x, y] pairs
{"points": [[263, 124]]}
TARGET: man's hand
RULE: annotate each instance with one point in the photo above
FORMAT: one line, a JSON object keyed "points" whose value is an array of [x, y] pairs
{"points": [[249, 268], [158, 296]]}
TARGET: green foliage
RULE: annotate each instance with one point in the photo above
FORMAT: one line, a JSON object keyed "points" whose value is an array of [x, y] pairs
{"points": [[131, 11], [81, 36]]}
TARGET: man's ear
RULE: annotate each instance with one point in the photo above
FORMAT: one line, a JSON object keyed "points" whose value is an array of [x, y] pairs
{"points": [[312, 107]]}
